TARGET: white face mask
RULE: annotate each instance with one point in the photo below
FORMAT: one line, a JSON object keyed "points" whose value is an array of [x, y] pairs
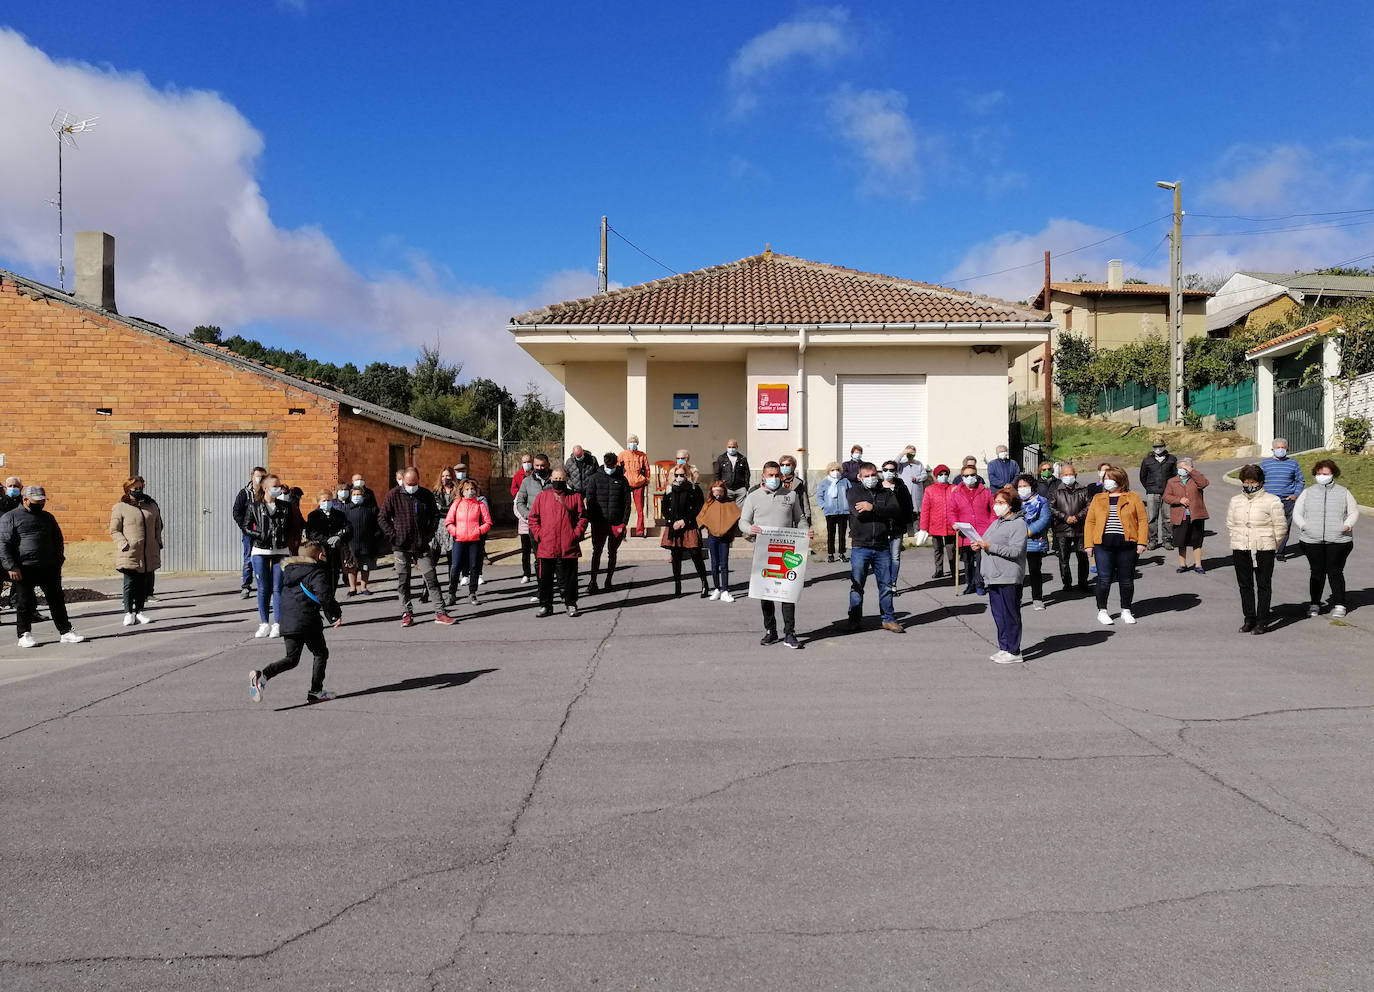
{"points": [[325, 506], [942, 477], [412, 490], [608, 471], [869, 482], [1001, 509], [835, 476], [526, 466], [856, 455], [1280, 452], [1108, 484], [342, 494], [785, 469], [1323, 480], [1069, 480], [889, 475], [357, 500], [1023, 492], [1003, 455], [970, 481]]}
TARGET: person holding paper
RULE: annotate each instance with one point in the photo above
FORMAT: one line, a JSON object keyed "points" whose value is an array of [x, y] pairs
{"points": [[771, 505], [873, 512], [1004, 569]]}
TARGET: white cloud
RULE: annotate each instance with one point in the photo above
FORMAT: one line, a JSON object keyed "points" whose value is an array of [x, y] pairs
{"points": [[819, 35], [875, 125], [172, 174], [984, 103], [1023, 254]]}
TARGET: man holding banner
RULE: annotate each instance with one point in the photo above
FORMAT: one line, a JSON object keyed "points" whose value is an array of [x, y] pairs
{"points": [[770, 515]]}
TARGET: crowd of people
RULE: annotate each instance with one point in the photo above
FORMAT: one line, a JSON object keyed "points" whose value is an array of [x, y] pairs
{"points": [[990, 535]]}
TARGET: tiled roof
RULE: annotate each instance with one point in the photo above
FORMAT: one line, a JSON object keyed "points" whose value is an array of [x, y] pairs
{"points": [[779, 289], [323, 389], [1102, 289], [1320, 327]]}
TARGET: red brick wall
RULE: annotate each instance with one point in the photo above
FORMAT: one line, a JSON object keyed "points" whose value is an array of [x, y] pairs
{"points": [[364, 446]]}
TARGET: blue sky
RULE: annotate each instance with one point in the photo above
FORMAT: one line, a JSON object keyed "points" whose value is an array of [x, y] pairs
{"points": [[354, 179]]}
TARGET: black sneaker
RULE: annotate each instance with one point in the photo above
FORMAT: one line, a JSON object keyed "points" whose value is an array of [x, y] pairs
{"points": [[770, 637], [323, 696], [790, 641], [592, 588], [544, 611]]}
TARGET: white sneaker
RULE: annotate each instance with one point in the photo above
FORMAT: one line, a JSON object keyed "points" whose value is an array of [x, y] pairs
{"points": [[129, 620], [71, 637], [1314, 609], [263, 630], [27, 641], [1007, 658], [143, 618], [524, 580], [715, 594], [481, 580], [462, 580], [275, 631], [998, 655], [725, 596], [1127, 616], [534, 599], [1037, 604], [1105, 618], [1337, 612]]}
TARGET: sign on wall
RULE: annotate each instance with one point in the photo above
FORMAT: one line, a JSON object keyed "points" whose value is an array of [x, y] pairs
{"points": [[772, 407], [686, 410]]}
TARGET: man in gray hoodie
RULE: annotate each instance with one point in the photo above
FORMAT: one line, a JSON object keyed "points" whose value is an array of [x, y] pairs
{"points": [[771, 505]]}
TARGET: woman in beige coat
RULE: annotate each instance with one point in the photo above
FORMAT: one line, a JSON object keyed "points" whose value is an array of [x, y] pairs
{"points": [[136, 528], [1257, 525]]}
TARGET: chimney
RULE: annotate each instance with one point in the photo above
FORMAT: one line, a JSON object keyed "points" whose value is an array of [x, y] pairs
{"points": [[1113, 274], [93, 269]]}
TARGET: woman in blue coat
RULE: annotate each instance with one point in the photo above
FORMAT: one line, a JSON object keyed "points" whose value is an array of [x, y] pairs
{"points": [[1037, 511]]}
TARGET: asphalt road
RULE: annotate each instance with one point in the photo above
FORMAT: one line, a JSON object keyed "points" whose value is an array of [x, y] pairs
{"points": [[642, 797]]}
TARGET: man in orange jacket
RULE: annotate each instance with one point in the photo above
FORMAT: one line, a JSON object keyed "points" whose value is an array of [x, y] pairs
{"points": [[635, 465]]}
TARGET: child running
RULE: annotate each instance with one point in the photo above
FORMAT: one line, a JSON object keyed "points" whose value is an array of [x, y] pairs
{"points": [[306, 590]]}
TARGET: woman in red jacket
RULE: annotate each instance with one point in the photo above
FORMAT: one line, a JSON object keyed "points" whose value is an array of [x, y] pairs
{"points": [[558, 521], [468, 521], [935, 520]]}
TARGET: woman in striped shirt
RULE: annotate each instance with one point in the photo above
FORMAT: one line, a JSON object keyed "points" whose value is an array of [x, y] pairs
{"points": [[1116, 532]]}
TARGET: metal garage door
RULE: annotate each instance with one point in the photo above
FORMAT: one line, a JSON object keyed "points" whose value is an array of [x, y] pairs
{"points": [[194, 479], [884, 413]]}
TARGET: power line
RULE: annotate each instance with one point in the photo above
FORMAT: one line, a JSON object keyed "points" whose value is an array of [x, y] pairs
{"points": [[1268, 220], [1280, 230], [640, 250], [1062, 254]]}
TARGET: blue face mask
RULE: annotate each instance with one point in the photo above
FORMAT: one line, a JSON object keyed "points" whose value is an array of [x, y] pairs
{"points": [[609, 471], [357, 501], [12, 491], [682, 461], [773, 482], [1183, 473]]}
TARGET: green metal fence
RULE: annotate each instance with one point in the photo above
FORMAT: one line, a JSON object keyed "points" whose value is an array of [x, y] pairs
{"points": [[1225, 402]]}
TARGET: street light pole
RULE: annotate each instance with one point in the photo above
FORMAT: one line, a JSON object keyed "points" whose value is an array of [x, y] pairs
{"points": [[1175, 305]]}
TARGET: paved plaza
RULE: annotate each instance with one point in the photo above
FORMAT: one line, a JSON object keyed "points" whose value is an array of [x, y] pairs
{"points": [[642, 797]]}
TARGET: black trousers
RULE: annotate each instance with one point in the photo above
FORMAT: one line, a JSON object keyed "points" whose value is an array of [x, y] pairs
{"points": [[697, 559], [943, 548], [1115, 563], [1327, 562], [564, 572], [970, 560], [137, 586], [312, 639], [526, 551], [1035, 560], [836, 529], [770, 617], [1072, 547], [1254, 575], [48, 579]]}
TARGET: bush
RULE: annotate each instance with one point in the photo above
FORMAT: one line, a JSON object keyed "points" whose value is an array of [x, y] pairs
{"points": [[1192, 420], [1354, 432], [1226, 424]]}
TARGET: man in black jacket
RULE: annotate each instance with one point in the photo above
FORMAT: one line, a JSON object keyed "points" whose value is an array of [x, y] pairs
{"points": [[581, 468], [307, 589], [1068, 513], [243, 499], [874, 512], [32, 553], [1156, 469], [732, 468], [409, 517], [607, 505]]}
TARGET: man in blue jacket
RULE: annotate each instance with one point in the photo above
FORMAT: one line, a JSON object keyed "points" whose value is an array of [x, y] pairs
{"points": [[1002, 470], [1283, 478]]}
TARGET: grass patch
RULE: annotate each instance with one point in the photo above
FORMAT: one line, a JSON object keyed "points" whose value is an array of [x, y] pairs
{"points": [[1075, 439], [1357, 472]]}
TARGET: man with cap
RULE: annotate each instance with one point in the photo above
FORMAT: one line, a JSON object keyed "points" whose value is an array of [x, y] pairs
{"points": [[1156, 469], [31, 553]]}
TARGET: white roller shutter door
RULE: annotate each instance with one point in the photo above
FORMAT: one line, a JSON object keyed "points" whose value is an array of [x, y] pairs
{"points": [[884, 413]]}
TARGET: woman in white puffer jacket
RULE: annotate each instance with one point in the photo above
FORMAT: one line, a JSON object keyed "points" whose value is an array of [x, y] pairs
{"points": [[1257, 525]]}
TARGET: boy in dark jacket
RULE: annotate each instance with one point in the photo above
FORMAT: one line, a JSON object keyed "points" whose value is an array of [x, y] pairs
{"points": [[306, 590]]}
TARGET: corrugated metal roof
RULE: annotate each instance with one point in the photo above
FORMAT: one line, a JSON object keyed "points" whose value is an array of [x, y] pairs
{"points": [[1311, 282]]}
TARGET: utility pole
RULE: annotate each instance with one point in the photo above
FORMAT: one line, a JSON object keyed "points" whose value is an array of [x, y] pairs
{"points": [[1047, 371], [601, 271], [500, 442], [1175, 305]]}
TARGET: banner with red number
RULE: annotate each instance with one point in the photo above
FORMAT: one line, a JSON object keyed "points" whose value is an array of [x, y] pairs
{"points": [[779, 569]]}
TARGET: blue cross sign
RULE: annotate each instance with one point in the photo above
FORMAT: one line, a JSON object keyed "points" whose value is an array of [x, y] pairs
{"points": [[685, 410]]}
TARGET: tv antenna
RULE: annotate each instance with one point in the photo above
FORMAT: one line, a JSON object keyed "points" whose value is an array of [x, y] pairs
{"points": [[66, 127]]}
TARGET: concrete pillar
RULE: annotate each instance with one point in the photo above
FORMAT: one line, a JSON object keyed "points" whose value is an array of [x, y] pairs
{"points": [[93, 269], [637, 396], [1331, 367], [1264, 403]]}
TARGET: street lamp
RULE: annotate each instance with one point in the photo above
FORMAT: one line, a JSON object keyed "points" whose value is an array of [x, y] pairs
{"points": [[1175, 305]]}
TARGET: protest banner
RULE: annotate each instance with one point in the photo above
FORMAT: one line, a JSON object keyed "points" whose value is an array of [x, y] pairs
{"points": [[779, 569]]}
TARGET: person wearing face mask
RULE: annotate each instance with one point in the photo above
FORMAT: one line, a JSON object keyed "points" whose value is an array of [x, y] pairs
{"points": [[635, 465], [581, 468], [874, 511], [681, 532], [558, 521], [1002, 469], [445, 495], [408, 519], [935, 520], [366, 538], [793, 482], [1069, 513], [684, 460], [526, 467], [1183, 494], [1002, 561], [243, 499], [771, 505], [1256, 525], [1115, 533], [268, 522], [136, 529], [1324, 517], [970, 502], [1283, 477], [32, 552], [891, 479], [720, 517], [358, 485], [328, 527], [850, 469], [1036, 511], [1156, 469], [608, 511], [468, 521], [833, 500], [969, 462], [1047, 481], [1102, 470], [732, 468], [534, 484], [10, 497], [914, 476]]}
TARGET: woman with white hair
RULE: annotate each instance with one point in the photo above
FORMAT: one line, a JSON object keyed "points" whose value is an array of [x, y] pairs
{"points": [[1187, 512]]}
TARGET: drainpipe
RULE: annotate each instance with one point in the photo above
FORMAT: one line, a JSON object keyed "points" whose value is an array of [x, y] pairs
{"points": [[801, 400]]}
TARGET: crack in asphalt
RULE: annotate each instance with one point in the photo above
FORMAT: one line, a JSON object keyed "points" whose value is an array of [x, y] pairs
{"points": [[1233, 719]]}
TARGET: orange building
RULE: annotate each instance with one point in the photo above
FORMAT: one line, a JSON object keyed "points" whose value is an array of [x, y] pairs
{"points": [[94, 397]]}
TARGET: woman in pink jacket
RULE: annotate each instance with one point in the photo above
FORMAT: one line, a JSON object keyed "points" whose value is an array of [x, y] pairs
{"points": [[468, 521], [970, 502]]}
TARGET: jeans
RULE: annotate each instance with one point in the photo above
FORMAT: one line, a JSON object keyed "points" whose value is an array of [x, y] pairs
{"points": [[836, 528], [971, 560], [879, 562], [136, 587], [312, 639], [1327, 561], [425, 561], [562, 570], [1254, 574], [1072, 547], [1288, 505], [267, 569], [1158, 526], [720, 561], [464, 559], [1005, 601], [1035, 561], [49, 579], [770, 617], [895, 550], [247, 580], [1115, 563], [608, 537]]}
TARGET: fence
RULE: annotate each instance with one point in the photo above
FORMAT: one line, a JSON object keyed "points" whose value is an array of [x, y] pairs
{"points": [[1224, 402]]}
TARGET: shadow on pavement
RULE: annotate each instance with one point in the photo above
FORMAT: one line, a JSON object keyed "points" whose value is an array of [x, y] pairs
{"points": [[1056, 643], [449, 680], [1167, 604]]}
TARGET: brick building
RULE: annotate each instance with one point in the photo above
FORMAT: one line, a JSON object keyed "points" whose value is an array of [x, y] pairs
{"points": [[94, 397]]}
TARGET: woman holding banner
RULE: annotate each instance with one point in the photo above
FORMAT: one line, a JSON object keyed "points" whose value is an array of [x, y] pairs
{"points": [[771, 505]]}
